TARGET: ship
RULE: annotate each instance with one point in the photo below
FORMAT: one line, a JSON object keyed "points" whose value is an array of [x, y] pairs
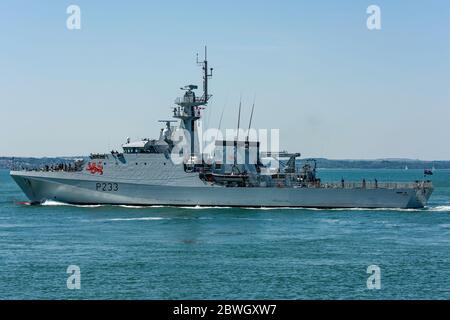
{"points": [[144, 173]]}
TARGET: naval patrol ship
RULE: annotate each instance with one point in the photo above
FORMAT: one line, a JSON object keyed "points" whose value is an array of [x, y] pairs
{"points": [[145, 173]]}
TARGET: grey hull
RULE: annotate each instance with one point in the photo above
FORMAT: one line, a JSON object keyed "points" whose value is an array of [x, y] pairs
{"points": [[71, 189]]}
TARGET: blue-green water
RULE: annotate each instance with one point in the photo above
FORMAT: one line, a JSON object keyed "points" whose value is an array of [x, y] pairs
{"points": [[211, 253]]}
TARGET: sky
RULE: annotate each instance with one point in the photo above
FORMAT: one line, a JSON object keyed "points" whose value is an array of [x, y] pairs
{"points": [[334, 88]]}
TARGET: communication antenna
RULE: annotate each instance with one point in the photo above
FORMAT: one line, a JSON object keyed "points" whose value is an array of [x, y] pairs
{"points": [[251, 118], [221, 117], [239, 119], [220, 124], [237, 136]]}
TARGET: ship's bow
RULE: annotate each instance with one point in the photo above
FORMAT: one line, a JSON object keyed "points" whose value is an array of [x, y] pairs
{"points": [[28, 186]]}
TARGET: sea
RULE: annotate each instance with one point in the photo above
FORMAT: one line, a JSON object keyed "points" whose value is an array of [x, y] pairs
{"points": [[60, 251]]}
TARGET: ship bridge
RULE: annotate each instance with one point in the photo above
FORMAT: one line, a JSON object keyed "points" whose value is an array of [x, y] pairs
{"points": [[145, 146]]}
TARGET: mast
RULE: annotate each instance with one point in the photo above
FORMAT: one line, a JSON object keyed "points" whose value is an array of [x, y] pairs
{"points": [[251, 118], [236, 142], [207, 74], [190, 106]]}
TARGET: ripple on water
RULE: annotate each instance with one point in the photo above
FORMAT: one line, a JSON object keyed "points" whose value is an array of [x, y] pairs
{"points": [[139, 219]]}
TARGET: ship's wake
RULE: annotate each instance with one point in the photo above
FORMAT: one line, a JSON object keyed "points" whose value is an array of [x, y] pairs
{"points": [[335, 209], [439, 209], [52, 203]]}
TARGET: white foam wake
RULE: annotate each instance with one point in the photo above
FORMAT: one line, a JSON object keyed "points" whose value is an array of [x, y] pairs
{"points": [[137, 207], [439, 209], [442, 208], [202, 207], [333, 209], [51, 203]]}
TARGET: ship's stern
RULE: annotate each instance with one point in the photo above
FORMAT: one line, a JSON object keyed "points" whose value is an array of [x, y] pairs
{"points": [[421, 195]]}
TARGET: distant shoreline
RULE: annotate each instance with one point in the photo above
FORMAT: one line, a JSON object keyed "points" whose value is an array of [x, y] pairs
{"points": [[322, 163]]}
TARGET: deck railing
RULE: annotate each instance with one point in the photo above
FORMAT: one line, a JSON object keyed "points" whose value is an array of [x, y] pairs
{"points": [[190, 100], [378, 185]]}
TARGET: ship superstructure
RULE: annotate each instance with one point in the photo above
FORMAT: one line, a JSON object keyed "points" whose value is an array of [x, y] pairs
{"points": [[145, 173]]}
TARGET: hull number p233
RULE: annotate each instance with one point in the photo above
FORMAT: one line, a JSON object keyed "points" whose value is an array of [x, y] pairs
{"points": [[107, 187]]}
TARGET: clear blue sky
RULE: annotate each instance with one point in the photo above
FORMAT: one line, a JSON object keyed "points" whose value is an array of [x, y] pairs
{"points": [[334, 88]]}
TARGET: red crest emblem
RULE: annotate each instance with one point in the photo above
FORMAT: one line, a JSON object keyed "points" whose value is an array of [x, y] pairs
{"points": [[94, 168]]}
